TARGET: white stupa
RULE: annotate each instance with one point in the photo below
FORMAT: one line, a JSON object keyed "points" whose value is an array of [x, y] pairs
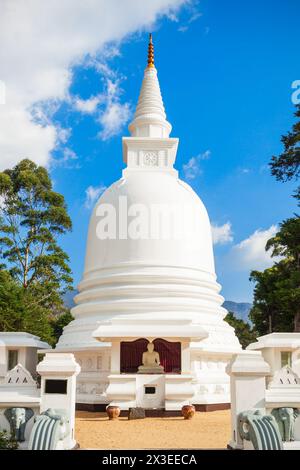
{"points": [[143, 284]]}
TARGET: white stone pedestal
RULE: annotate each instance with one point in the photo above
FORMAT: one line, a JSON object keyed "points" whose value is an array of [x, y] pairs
{"points": [[150, 391], [61, 369], [248, 371]]}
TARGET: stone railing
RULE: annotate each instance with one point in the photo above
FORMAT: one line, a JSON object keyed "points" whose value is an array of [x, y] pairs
{"points": [[249, 394]]}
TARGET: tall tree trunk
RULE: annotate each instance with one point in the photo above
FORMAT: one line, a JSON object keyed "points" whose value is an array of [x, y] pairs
{"points": [[297, 323], [270, 323]]}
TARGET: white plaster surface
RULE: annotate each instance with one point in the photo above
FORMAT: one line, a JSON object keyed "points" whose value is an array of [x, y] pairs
{"points": [[152, 287]]}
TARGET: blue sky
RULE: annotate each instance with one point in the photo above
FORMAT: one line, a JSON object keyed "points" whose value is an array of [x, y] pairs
{"points": [[225, 71]]}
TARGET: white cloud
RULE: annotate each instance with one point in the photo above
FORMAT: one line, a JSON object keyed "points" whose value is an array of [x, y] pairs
{"points": [[67, 159], [40, 42], [92, 193], [113, 119], [106, 107], [21, 138], [173, 16], [192, 168], [182, 29], [251, 254], [88, 106], [194, 14], [222, 233], [114, 114]]}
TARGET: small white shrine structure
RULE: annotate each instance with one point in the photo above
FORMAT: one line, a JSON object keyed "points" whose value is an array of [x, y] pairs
{"points": [[41, 417], [265, 380], [150, 277], [282, 353], [19, 348], [279, 350]]}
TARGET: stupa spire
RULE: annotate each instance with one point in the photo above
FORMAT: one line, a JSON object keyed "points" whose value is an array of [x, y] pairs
{"points": [[150, 52], [150, 117]]}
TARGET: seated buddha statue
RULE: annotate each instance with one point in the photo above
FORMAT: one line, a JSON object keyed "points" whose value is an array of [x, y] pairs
{"points": [[151, 362]]}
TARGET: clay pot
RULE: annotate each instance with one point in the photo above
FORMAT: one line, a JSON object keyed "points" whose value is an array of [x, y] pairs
{"points": [[188, 411], [113, 412]]}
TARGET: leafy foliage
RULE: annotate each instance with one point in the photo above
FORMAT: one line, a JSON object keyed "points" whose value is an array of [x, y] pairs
{"points": [[243, 330], [32, 217], [34, 270], [59, 322], [287, 165], [276, 305], [20, 310], [7, 442], [286, 242]]}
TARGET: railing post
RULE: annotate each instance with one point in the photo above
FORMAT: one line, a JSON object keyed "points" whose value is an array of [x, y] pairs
{"points": [[58, 388], [247, 371]]}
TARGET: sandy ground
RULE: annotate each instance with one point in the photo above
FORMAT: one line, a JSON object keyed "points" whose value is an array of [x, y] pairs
{"points": [[205, 431]]}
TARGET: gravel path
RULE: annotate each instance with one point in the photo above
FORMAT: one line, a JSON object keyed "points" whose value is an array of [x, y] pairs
{"points": [[206, 430]]}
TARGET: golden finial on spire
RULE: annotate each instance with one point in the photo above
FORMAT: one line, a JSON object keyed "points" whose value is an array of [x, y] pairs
{"points": [[150, 52]]}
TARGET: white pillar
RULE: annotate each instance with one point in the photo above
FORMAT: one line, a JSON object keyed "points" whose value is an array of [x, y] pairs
{"points": [[248, 371], [185, 357], [115, 357], [296, 361], [58, 388]]}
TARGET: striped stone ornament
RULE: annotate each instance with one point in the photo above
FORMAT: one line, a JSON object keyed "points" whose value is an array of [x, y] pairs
{"points": [[47, 431], [261, 430]]}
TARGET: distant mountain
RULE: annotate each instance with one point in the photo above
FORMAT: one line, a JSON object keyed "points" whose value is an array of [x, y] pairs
{"points": [[240, 309], [69, 298]]}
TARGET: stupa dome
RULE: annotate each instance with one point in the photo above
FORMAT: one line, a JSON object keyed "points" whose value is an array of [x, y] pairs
{"points": [[177, 206]]}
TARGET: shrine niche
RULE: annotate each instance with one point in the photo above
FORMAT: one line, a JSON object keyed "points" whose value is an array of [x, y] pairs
{"points": [[131, 355]]}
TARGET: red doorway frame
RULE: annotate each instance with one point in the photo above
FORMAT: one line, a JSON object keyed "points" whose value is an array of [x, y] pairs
{"points": [[131, 353]]}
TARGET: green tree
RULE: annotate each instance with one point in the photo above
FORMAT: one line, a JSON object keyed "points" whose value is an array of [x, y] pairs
{"points": [[286, 166], [243, 330], [286, 242], [11, 303], [33, 216], [276, 305], [21, 311], [34, 270], [59, 322]]}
